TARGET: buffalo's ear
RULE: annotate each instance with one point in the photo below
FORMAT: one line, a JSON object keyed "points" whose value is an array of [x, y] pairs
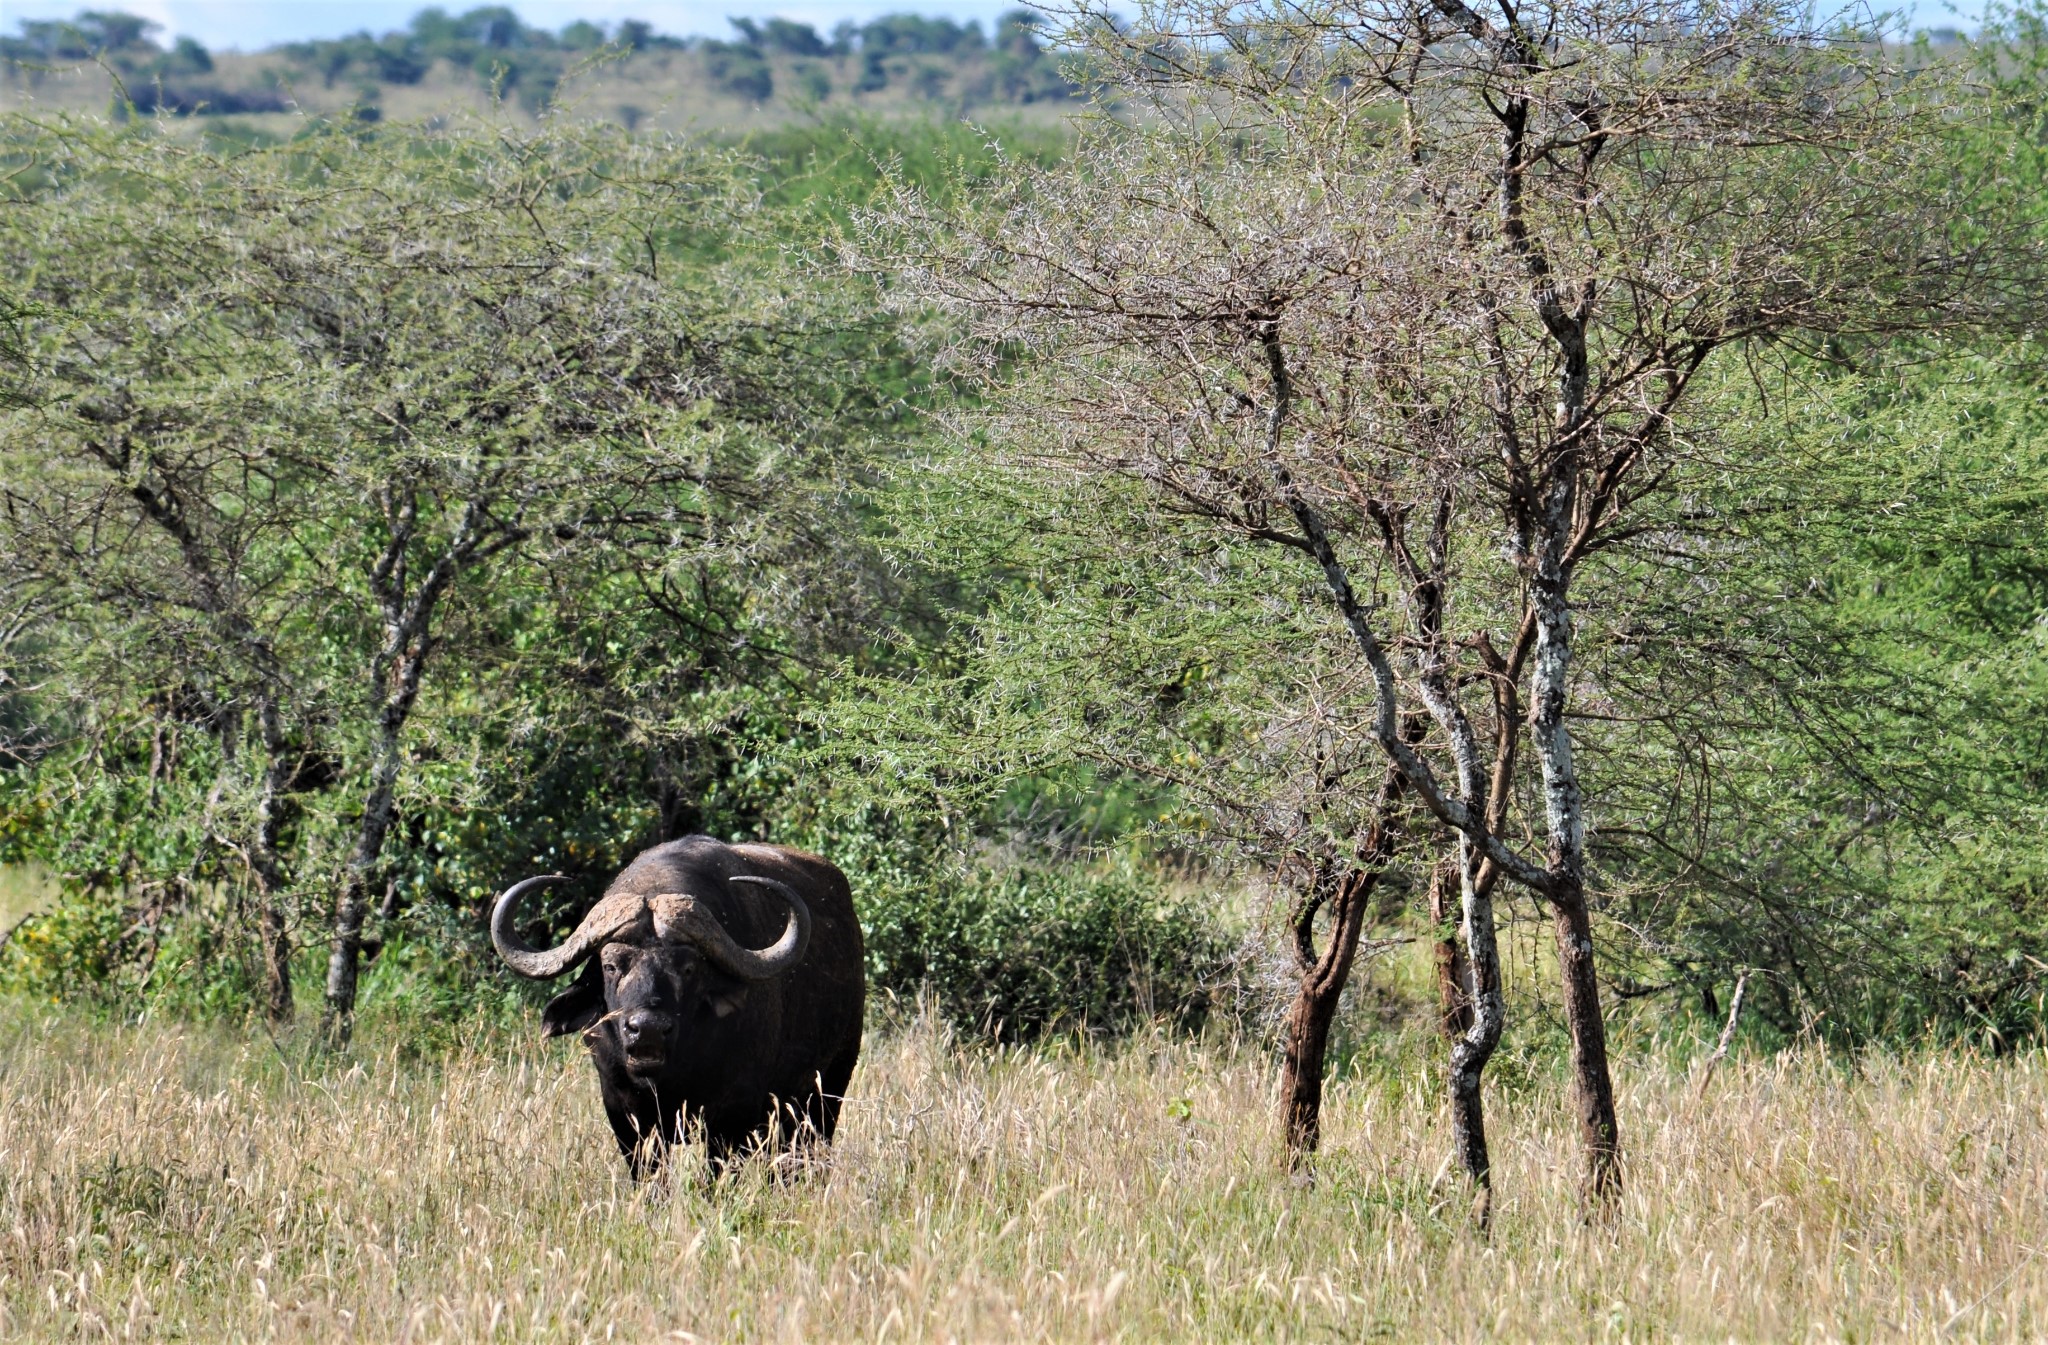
{"points": [[724, 1001], [577, 1007]]}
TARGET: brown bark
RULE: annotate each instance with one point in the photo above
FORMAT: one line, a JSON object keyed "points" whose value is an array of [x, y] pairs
{"points": [[273, 935], [1324, 976], [1315, 1007], [1454, 1005], [1471, 1050], [397, 672], [1592, 1082], [352, 907]]}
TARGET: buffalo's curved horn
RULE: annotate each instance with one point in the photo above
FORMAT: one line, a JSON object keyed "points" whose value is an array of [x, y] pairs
{"points": [[679, 917], [545, 964]]}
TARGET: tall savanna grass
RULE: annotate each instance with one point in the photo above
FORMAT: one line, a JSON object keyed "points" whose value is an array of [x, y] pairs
{"points": [[158, 1182]]}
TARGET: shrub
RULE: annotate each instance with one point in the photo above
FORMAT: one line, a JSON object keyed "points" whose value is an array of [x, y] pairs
{"points": [[1016, 952]]}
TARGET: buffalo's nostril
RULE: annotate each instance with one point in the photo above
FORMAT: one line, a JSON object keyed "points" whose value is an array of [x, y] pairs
{"points": [[641, 1025]]}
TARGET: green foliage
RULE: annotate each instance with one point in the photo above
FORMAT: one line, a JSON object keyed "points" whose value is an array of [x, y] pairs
{"points": [[153, 79], [489, 42], [840, 162], [1040, 724], [1864, 829], [597, 702], [1840, 795], [74, 951], [576, 375], [1015, 952], [739, 69]]}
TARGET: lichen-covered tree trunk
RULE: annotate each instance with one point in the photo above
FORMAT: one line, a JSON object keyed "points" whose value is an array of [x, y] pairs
{"points": [[1592, 1079], [1453, 970], [1472, 1050], [352, 905], [1564, 812], [396, 672]]}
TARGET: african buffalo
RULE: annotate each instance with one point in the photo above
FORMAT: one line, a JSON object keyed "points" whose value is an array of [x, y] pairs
{"points": [[695, 1011]]}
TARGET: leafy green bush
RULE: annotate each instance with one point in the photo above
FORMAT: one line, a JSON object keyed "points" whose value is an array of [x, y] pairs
{"points": [[71, 950], [433, 980], [1016, 952]]}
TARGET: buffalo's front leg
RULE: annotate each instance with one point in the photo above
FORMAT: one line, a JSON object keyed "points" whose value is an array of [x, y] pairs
{"points": [[643, 1126], [639, 1135]]}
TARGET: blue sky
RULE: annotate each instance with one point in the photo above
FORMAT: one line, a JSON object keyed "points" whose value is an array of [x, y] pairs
{"points": [[259, 23]]}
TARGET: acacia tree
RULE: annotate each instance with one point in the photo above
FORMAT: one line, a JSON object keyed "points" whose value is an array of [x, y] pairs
{"points": [[158, 505], [1427, 289], [1126, 640], [303, 416]]}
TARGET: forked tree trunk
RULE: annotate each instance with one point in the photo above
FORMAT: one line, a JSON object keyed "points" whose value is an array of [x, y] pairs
{"points": [[396, 672], [1315, 1007], [1408, 769], [1324, 976]]}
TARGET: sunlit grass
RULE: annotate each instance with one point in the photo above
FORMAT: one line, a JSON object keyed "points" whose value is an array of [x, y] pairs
{"points": [[158, 1182]]}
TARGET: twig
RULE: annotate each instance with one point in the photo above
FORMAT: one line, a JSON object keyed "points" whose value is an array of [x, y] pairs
{"points": [[1727, 1035], [15, 928]]}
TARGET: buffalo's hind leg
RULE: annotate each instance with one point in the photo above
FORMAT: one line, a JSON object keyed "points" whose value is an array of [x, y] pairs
{"points": [[812, 1120], [821, 1108]]}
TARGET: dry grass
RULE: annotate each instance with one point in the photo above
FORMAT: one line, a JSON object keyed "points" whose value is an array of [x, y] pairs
{"points": [[164, 1183]]}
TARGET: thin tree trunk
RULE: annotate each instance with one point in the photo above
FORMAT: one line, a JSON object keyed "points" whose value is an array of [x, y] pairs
{"points": [[396, 673], [1314, 1008], [352, 906], [1564, 809], [1465, 811], [273, 932], [1453, 972], [1592, 1081], [1324, 977], [1720, 1051], [1471, 1051]]}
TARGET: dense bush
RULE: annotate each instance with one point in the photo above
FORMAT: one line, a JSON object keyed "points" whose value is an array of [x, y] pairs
{"points": [[1014, 952]]}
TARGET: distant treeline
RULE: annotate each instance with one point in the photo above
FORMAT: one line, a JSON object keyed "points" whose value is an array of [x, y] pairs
{"points": [[497, 48]]}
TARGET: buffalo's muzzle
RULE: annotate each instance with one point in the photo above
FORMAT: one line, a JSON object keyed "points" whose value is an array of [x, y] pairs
{"points": [[645, 1035]]}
